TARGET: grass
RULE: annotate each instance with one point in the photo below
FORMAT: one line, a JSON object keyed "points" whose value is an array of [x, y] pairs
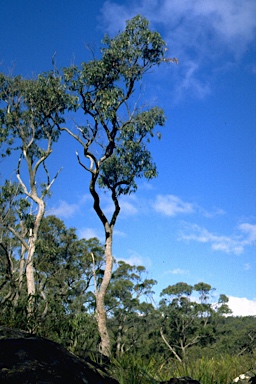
{"points": [[130, 369]]}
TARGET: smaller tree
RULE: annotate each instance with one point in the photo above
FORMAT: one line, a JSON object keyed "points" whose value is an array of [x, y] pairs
{"points": [[236, 336], [63, 272], [30, 111], [12, 208], [64, 280], [187, 322], [126, 305]]}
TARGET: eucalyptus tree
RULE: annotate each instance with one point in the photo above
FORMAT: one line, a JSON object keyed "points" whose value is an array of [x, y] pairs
{"points": [[64, 272], [30, 111], [13, 209], [128, 301], [187, 321], [236, 336], [114, 132]]}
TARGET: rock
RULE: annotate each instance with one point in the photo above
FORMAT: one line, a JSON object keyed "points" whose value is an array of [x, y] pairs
{"points": [[248, 377], [181, 380], [29, 359]]}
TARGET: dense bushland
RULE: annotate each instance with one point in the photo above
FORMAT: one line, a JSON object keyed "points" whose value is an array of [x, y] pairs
{"points": [[179, 336]]}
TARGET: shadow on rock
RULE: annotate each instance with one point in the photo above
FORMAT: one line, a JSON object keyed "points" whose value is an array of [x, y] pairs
{"points": [[26, 358], [180, 380]]}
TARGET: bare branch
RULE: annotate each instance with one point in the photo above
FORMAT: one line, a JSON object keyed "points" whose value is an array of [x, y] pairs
{"points": [[50, 183], [169, 346], [18, 236]]}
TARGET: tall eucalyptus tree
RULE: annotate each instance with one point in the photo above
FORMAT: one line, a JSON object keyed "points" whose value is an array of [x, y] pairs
{"points": [[115, 131]]}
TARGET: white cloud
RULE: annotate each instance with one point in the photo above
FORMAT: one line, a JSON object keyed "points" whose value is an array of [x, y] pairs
{"points": [[250, 230], [231, 23], [198, 32], [145, 185], [127, 205], [210, 214], [135, 258], [119, 233], [235, 243], [191, 80], [64, 209], [242, 306], [177, 271], [114, 17], [86, 198], [171, 205], [89, 233], [247, 266]]}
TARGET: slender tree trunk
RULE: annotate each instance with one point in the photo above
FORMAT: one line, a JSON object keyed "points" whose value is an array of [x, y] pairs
{"points": [[33, 235], [31, 290], [105, 345], [102, 325], [21, 275], [120, 333]]}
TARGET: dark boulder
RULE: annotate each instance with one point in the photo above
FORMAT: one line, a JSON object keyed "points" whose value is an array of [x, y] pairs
{"points": [[180, 380], [29, 359]]}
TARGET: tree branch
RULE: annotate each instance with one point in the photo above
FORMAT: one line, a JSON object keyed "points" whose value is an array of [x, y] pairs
{"points": [[169, 346]]}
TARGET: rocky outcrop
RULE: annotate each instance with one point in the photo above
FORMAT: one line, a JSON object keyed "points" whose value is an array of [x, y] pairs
{"points": [[248, 377], [29, 359], [180, 380]]}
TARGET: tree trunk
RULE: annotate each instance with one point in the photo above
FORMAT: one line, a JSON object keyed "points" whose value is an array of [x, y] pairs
{"points": [[21, 275], [105, 345], [31, 290]]}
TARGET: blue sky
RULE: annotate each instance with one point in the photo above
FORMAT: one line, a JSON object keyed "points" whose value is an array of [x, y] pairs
{"points": [[197, 220]]}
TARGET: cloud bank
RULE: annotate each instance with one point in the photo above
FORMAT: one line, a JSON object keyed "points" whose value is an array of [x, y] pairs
{"points": [[171, 205], [206, 36], [230, 24], [235, 243], [242, 306], [134, 258], [64, 210]]}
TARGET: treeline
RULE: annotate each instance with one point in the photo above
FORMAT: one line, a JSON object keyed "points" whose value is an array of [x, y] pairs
{"points": [[72, 290], [68, 271]]}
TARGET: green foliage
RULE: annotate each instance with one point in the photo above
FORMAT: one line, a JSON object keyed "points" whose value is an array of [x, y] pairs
{"points": [[221, 369], [63, 278], [127, 306], [180, 290], [13, 207], [64, 312], [132, 368], [115, 136], [187, 323], [236, 335], [30, 110], [131, 158]]}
